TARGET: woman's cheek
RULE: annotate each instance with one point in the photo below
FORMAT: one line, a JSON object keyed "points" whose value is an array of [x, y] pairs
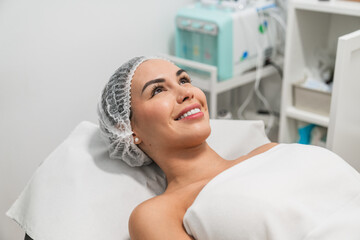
{"points": [[159, 109], [201, 96]]}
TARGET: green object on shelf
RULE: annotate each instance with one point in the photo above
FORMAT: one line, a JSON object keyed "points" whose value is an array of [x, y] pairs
{"points": [[263, 27]]}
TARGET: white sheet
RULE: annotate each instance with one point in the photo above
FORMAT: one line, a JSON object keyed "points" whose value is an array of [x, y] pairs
{"points": [[78, 193], [291, 192]]}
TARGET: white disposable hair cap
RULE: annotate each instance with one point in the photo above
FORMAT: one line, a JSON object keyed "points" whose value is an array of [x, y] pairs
{"points": [[114, 110]]}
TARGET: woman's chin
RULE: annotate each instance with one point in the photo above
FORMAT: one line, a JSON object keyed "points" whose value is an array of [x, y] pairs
{"points": [[196, 137]]}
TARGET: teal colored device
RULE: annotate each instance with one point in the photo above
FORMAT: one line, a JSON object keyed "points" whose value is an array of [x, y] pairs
{"points": [[223, 37], [205, 34]]}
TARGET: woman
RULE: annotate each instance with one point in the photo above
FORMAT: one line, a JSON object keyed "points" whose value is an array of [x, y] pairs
{"points": [[150, 111]]}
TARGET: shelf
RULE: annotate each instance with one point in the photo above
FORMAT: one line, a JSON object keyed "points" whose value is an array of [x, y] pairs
{"points": [[204, 81], [313, 29], [307, 116], [209, 81], [332, 6], [330, 28]]}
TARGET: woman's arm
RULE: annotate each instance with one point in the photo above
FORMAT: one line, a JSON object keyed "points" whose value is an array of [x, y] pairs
{"points": [[151, 222]]}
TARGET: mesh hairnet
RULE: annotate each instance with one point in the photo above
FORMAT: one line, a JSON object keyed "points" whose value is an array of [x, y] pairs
{"points": [[114, 111]]}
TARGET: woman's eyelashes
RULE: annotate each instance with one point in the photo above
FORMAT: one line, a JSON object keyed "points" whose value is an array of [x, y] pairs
{"points": [[158, 88], [184, 80]]}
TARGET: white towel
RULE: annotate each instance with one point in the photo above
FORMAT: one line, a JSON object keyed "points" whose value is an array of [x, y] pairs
{"points": [[78, 193], [290, 192]]}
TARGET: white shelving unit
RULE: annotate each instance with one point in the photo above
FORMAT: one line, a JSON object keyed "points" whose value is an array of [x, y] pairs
{"points": [[333, 25], [210, 83]]}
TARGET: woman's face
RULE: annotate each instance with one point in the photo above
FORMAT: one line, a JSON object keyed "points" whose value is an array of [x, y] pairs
{"points": [[167, 110]]}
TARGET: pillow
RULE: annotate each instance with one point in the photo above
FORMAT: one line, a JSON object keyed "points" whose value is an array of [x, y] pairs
{"points": [[79, 193]]}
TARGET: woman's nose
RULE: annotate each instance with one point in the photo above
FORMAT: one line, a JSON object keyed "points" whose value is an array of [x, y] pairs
{"points": [[184, 93]]}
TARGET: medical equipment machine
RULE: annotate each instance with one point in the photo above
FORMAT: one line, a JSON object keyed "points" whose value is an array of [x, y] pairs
{"points": [[225, 34]]}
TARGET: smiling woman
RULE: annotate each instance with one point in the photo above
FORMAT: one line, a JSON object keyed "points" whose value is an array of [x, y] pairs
{"points": [[150, 111], [172, 108]]}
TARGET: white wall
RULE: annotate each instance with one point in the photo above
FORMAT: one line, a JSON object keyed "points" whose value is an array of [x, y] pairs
{"points": [[55, 57]]}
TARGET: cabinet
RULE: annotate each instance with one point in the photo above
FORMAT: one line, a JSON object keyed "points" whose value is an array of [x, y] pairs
{"points": [[333, 25]]}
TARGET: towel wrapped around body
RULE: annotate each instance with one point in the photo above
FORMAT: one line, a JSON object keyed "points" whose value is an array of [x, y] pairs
{"points": [[290, 192]]}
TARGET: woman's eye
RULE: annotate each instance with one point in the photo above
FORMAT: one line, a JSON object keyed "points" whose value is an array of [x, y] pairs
{"points": [[156, 90], [185, 80]]}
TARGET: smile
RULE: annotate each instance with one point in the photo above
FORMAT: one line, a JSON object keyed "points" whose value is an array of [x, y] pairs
{"points": [[189, 113]]}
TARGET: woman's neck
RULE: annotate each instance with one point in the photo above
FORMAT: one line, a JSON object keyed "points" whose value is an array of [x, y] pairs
{"points": [[191, 165]]}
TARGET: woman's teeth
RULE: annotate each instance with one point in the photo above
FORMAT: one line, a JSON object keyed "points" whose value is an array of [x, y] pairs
{"points": [[189, 113]]}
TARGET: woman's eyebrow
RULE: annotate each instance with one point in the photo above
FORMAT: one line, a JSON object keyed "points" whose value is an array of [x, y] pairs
{"points": [[158, 80], [180, 71]]}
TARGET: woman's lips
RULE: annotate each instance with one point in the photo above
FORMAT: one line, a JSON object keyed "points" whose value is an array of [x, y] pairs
{"points": [[194, 116], [189, 111]]}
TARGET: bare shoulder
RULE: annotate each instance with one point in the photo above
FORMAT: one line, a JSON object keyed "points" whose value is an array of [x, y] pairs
{"points": [[256, 151], [263, 148], [156, 218], [154, 209]]}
